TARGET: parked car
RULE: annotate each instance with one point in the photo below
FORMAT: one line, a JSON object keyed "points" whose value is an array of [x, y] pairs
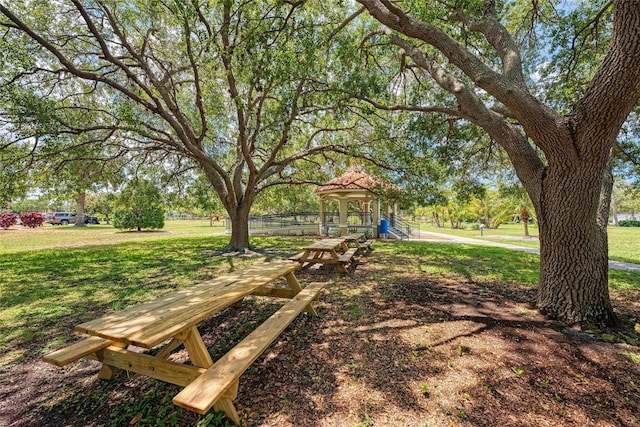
{"points": [[61, 218], [88, 219], [65, 218]]}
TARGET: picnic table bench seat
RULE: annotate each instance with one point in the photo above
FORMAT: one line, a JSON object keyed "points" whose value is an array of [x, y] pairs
{"points": [[347, 257], [76, 351], [365, 247], [296, 257], [218, 385]]}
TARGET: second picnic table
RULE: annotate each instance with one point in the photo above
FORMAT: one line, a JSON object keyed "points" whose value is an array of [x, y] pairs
{"points": [[334, 251]]}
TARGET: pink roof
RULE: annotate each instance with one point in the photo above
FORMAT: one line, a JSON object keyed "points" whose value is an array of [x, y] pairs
{"points": [[355, 178]]}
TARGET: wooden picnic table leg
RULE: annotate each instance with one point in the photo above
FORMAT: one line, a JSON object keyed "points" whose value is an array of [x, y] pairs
{"points": [[107, 372], [168, 348], [336, 258], [295, 286], [225, 403], [165, 351], [198, 352], [306, 256]]}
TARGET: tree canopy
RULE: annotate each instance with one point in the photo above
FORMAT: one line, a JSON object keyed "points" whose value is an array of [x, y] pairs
{"points": [[239, 88], [250, 91]]}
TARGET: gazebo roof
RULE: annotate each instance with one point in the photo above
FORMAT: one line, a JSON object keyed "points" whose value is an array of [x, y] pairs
{"points": [[356, 178]]}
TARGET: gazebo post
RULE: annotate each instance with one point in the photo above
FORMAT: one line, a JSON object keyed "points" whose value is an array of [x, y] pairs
{"points": [[344, 210], [323, 208], [394, 211], [376, 217], [366, 218]]}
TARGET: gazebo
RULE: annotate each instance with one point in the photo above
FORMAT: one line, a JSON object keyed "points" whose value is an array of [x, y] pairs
{"points": [[355, 186]]}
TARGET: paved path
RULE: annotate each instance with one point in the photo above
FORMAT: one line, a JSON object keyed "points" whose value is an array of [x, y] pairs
{"points": [[441, 237]]}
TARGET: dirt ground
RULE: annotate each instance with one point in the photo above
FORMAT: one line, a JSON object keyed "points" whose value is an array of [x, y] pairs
{"points": [[415, 350]]}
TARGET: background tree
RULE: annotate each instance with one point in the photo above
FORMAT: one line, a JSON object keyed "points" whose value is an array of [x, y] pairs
{"points": [[239, 88], [43, 143], [628, 199], [13, 175], [561, 156], [194, 195], [74, 175], [101, 203], [139, 206], [31, 204], [288, 199], [520, 206]]}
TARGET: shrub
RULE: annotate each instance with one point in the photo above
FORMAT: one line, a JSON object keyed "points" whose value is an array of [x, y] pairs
{"points": [[150, 217], [32, 219], [629, 223], [139, 206], [7, 220]]}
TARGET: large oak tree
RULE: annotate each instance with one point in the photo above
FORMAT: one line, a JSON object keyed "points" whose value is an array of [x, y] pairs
{"points": [[561, 157], [237, 87]]}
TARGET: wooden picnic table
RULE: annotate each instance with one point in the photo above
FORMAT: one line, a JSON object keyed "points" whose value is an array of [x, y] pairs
{"points": [[358, 241], [353, 238], [172, 320], [334, 251]]}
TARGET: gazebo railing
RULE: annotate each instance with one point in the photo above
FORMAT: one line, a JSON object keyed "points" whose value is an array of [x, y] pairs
{"points": [[358, 222], [353, 218], [260, 222]]}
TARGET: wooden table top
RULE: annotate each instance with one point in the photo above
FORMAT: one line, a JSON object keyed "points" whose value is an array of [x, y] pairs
{"points": [[326, 244], [147, 325], [353, 236]]}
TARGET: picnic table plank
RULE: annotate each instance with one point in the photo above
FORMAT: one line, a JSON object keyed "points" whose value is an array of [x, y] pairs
{"points": [[119, 316], [326, 244], [355, 237]]}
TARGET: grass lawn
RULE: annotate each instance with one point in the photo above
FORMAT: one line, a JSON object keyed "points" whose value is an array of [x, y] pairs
{"points": [[624, 242], [18, 239], [56, 277]]}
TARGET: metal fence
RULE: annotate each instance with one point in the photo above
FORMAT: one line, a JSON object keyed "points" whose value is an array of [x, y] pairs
{"points": [[279, 221]]}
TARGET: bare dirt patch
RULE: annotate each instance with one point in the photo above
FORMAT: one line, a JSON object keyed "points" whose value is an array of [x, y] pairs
{"points": [[403, 350]]}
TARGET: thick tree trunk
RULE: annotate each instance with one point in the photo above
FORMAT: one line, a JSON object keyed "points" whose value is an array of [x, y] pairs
{"points": [[566, 193], [239, 228], [573, 247], [82, 197]]}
